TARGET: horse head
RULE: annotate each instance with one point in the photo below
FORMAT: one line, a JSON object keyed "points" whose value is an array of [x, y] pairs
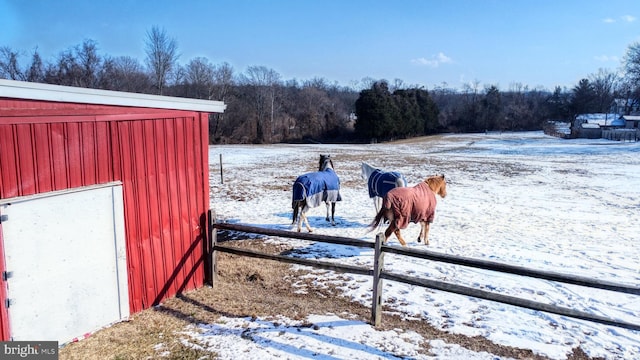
{"points": [[367, 170], [437, 184], [325, 163]]}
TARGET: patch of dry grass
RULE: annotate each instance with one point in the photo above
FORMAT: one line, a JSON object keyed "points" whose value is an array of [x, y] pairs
{"points": [[247, 287]]}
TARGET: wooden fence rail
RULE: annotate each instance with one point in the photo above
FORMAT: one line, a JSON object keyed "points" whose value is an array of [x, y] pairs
{"points": [[516, 270], [379, 274]]}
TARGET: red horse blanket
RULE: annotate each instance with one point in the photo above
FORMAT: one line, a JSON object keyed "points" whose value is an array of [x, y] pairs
{"points": [[411, 204]]}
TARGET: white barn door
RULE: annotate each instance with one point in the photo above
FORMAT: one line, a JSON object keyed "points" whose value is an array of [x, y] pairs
{"points": [[65, 262]]}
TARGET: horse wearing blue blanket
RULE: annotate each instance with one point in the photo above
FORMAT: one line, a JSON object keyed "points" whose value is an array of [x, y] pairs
{"points": [[380, 182], [312, 189]]}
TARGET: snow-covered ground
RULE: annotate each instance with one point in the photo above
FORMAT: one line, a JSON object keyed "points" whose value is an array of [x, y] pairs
{"points": [[524, 199]]}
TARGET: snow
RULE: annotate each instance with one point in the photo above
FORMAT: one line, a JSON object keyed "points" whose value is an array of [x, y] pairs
{"points": [[599, 118], [524, 199], [319, 337]]}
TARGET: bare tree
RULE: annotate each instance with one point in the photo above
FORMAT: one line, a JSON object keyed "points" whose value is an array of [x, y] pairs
{"points": [[89, 63], [604, 85], [471, 105], [631, 62], [398, 84], [222, 84], [162, 56], [630, 84], [77, 66], [124, 73], [199, 78], [223, 80], [35, 72], [178, 78], [263, 84], [65, 71], [516, 110], [11, 69], [9, 66], [365, 83]]}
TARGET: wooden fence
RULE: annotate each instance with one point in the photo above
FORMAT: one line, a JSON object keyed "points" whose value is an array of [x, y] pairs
{"points": [[621, 134], [379, 273]]}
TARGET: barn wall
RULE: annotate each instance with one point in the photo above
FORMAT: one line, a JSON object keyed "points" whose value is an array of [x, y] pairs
{"points": [[4, 312], [161, 158]]}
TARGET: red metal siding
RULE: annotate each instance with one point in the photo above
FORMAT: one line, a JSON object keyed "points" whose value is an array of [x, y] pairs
{"points": [[161, 158]]}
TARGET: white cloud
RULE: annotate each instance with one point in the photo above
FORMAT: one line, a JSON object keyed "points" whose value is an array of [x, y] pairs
{"points": [[628, 18], [624, 18], [434, 61], [606, 58]]}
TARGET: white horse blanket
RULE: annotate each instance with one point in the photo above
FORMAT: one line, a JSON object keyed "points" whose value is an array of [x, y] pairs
{"points": [[317, 187], [411, 204]]}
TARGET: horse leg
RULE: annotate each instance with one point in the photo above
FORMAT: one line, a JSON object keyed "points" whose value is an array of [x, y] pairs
{"points": [[424, 232], [299, 221], [390, 229], [328, 206], [400, 238], [306, 222], [377, 203], [333, 212], [296, 215], [303, 217]]}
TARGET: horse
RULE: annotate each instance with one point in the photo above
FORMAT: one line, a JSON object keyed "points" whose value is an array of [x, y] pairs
{"points": [[312, 189], [380, 182], [411, 204]]}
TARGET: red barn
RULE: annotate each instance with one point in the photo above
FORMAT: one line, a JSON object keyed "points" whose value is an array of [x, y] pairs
{"points": [[103, 203]]}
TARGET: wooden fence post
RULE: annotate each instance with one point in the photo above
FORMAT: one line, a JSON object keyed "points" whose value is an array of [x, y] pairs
{"points": [[378, 265], [221, 175]]}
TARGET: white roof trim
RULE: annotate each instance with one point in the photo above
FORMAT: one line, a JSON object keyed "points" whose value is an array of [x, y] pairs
{"points": [[37, 91]]}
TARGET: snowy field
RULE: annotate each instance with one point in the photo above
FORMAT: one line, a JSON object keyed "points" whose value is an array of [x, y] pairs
{"points": [[523, 199]]}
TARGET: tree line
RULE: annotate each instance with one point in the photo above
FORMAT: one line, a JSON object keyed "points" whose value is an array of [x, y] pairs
{"points": [[264, 108]]}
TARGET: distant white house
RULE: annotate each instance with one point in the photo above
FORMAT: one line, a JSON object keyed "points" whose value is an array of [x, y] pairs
{"points": [[590, 126], [631, 121], [607, 126], [611, 125]]}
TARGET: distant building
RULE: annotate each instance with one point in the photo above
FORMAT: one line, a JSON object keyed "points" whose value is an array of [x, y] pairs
{"points": [[631, 121], [590, 126], [627, 129]]}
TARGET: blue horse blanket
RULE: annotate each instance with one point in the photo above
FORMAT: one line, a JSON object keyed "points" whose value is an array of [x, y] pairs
{"points": [[380, 182], [317, 187]]}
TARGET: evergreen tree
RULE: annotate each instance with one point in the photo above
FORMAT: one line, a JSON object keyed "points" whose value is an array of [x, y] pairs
{"points": [[428, 112], [405, 113], [583, 98], [375, 112]]}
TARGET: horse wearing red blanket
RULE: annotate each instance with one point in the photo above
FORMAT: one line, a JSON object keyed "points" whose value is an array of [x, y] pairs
{"points": [[411, 204]]}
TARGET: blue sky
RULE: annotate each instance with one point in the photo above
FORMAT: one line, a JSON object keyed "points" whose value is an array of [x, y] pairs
{"points": [[421, 42]]}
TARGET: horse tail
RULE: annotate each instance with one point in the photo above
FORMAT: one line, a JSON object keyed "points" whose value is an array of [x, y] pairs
{"points": [[377, 220], [299, 193], [295, 205], [401, 181]]}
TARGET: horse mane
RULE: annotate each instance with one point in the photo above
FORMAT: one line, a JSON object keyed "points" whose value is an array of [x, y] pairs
{"points": [[367, 170], [437, 184], [325, 162]]}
